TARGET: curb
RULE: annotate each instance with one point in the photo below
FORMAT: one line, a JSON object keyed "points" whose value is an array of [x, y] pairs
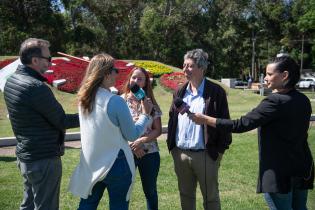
{"points": [[72, 136]]}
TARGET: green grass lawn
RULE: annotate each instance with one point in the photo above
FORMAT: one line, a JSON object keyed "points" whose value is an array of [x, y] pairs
{"points": [[238, 174]]}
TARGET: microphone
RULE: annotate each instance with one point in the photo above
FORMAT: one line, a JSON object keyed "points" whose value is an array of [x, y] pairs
{"points": [[181, 106], [137, 91]]}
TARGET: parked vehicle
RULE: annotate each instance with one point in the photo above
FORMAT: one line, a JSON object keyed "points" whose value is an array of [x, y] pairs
{"points": [[240, 82], [307, 82]]}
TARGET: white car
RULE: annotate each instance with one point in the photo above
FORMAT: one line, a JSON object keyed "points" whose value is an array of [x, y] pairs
{"points": [[307, 82]]}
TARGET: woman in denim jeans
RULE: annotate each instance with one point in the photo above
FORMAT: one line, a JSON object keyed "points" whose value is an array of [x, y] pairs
{"points": [[286, 166], [145, 148], [106, 159]]}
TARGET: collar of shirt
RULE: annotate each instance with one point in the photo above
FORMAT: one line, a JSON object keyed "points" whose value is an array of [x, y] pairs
{"points": [[199, 90]]}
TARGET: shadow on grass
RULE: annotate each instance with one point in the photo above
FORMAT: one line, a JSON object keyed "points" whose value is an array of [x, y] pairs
{"points": [[7, 159]]}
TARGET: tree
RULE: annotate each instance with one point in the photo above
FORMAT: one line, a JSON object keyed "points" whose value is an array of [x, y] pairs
{"points": [[33, 18]]}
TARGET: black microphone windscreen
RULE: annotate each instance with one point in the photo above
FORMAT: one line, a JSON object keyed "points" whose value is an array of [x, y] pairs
{"points": [[134, 88], [181, 106], [137, 91], [178, 102]]}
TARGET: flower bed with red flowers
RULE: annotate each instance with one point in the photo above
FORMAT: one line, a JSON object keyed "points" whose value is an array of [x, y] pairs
{"points": [[173, 81], [6, 62], [73, 72]]}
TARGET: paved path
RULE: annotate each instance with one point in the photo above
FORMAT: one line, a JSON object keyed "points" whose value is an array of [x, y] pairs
{"points": [[10, 151]]}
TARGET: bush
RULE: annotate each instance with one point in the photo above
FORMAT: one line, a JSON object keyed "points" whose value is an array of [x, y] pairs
{"points": [[156, 68]]}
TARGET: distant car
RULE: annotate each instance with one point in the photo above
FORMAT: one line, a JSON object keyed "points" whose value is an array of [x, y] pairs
{"points": [[239, 82], [307, 82]]}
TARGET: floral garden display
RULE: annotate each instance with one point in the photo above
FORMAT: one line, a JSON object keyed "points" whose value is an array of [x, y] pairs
{"points": [[6, 62], [173, 81], [156, 68], [73, 70]]}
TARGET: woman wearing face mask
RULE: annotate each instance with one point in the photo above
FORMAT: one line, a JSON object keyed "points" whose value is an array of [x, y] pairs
{"points": [[145, 148], [106, 127], [286, 166]]}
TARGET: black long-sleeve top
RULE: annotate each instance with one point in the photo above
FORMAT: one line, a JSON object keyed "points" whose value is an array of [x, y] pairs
{"points": [[285, 159]]}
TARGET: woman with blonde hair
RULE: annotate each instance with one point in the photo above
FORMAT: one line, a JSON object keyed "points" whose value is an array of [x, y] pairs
{"points": [[145, 148], [106, 160]]}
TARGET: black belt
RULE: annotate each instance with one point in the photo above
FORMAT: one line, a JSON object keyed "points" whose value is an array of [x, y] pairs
{"points": [[193, 150]]}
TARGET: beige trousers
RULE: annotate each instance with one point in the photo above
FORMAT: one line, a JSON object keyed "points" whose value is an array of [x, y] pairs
{"points": [[192, 167]]}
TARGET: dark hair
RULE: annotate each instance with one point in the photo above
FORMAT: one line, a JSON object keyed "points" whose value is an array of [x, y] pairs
{"points": [[286, 63], [30, 48]]}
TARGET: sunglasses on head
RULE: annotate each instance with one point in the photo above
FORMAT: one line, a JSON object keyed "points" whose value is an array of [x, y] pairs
{"points": [[47, 58]]}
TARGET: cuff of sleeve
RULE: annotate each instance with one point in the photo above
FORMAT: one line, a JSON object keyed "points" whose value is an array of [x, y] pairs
{"points": [[217, 123], [148, 117]]}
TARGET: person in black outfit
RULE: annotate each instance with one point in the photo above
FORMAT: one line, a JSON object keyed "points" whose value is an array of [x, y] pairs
{"points": [[38, 122], [286, 166]]}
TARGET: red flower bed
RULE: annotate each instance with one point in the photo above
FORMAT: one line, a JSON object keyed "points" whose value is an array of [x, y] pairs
{"points": [[173, 81], [6, 62], [73, 72]]}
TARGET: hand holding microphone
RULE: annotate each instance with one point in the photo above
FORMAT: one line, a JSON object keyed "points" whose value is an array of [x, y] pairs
{"points": [[197, 118], [147, 106], [139, 93], [182, 107]]}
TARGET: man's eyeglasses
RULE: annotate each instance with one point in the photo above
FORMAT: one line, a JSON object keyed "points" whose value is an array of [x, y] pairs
{"points": [[47, 58]]}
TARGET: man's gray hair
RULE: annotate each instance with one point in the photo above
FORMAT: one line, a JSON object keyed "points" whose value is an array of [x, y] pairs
{"points": [[199, 56], [32, 47]]}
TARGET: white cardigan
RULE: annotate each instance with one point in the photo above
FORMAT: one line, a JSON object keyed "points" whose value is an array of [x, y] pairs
{"points": [[101, 141]]}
